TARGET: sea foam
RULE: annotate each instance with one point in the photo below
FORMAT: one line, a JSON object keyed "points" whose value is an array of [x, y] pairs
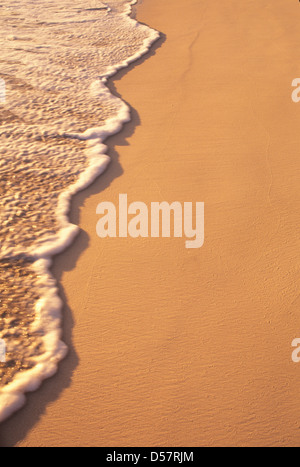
{"points": [[56, 60]]}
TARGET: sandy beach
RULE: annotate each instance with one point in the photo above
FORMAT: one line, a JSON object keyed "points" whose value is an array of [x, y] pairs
{"points": [[171, 346]]}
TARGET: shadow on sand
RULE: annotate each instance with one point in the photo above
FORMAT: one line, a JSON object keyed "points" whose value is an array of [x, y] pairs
{"points": [[16, 428]]}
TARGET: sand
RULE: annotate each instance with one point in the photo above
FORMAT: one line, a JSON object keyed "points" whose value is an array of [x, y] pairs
{"points": [[177, 347]]}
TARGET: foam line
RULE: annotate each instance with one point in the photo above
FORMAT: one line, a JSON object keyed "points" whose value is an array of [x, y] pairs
{"points": [[48, 308]]}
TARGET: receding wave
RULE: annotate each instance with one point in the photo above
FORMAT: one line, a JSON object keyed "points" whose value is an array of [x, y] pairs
{"points": [[56, 58]]}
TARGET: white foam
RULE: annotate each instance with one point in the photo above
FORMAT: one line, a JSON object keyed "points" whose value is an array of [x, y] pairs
{"points": [[48, 308]]}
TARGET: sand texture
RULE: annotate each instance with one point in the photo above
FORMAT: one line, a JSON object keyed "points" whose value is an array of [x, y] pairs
{"points": [[177, 347]]}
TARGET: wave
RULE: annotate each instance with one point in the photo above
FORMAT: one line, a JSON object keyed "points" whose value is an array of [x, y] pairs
{"points": [[39, 152]]}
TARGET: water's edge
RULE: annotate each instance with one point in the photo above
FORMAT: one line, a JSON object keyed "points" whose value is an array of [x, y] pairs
{"points": [[48, 310]]}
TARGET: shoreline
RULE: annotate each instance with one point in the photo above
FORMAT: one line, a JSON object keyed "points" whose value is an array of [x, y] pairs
{"points": [[99, 165], [173, 347], [48, 307]]}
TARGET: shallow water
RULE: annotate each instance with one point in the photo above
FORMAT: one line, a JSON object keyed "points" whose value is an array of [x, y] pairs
{"points": [[56, 57]]}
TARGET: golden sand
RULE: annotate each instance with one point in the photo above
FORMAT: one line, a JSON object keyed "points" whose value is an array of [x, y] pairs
{"points": [[177, 347]]}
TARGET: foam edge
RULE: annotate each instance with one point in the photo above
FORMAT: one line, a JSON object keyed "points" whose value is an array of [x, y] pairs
{"points": [[49, 308]]}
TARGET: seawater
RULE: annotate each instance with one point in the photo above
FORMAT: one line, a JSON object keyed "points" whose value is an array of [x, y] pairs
{"points": [[56, 58]]}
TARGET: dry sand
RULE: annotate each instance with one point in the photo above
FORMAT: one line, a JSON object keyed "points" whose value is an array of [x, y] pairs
{"points": [[177, 347]]}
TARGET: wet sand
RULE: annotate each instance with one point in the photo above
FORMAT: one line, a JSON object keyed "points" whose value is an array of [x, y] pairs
{"points": [[177, 347]]}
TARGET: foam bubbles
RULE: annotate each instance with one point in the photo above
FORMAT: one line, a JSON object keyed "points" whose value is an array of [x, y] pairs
{"points": [[56, 58]]}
